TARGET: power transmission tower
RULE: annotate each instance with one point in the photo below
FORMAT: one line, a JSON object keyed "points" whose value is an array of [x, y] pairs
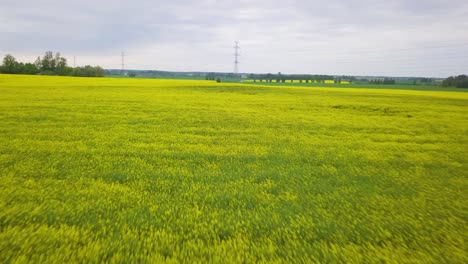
{"points": [[236, 58], [74, 60], [122, 58]]}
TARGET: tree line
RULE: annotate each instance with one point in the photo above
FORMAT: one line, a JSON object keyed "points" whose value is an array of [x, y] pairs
{"points": [[49, 64], [383, 81], [460, 81], [300, 77]]}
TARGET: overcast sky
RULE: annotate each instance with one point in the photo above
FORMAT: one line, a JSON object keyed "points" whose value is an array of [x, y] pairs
{"points": [[357, 37]]}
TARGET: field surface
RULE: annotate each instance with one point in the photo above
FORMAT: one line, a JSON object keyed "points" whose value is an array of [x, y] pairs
{"points": [[134, 170]]}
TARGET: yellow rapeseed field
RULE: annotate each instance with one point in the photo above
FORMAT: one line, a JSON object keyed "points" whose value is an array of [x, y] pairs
{"points": [[109, 170]]}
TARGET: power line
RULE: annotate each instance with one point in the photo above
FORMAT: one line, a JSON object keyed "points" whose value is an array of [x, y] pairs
{"points": [[383, 50], [415, 60], [368, 51], [236, 57]]}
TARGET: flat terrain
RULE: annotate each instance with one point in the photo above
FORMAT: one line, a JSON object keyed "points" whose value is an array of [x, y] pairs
{"points": [[135, 170]]}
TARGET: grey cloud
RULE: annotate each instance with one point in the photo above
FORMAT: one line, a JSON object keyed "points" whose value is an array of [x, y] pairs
{"points": [[334, 36]]}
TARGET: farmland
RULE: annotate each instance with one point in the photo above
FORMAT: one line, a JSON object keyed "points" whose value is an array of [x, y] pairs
{"points": [[99, 170]]}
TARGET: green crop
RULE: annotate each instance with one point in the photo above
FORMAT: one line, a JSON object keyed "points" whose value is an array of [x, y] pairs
{"points": [[146, 171]]}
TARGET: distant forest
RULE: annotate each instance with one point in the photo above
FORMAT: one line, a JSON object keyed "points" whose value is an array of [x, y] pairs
{"points": [[49, 64], [279, 77], [55, 64], [460, 81]]}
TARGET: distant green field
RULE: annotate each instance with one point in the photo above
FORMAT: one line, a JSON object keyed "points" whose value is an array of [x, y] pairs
{"points": [[425, 87], [146, 171]]}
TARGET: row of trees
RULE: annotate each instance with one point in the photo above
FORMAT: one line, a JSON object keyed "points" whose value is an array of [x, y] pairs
{"points": [[298, 77], [49, 64], [460, 81], [383, 81], [336, 81]]}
